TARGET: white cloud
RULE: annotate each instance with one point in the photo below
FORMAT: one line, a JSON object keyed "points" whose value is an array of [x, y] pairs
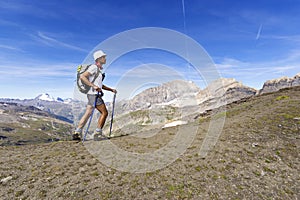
{"points": [[42, 37], [37, 9], [4, 22], [31, 79], [8, 47], [237, 68], [35, 70], [254, 74], [289, 38]]}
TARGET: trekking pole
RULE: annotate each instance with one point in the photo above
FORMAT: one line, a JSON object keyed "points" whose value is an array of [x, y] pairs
{"points": [[112, 114], [87, 129]]}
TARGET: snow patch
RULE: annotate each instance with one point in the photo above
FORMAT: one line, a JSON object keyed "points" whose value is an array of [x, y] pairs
{"points": [[46, 97], [175, 123], [68, 101]]}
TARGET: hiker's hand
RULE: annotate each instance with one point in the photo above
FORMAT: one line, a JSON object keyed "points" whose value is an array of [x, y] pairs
{"points": [[99, 90], [114, 91], [96, 88]]}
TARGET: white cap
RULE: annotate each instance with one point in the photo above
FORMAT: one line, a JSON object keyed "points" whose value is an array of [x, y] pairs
{"points": [[98, 54]]}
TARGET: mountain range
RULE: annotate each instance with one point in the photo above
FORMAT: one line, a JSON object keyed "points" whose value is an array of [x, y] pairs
{"points": [[187, 95], [172, 95], [170, 104], [45, 102]]}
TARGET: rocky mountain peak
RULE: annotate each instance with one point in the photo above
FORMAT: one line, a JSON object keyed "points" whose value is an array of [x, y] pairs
{"points": [[225, 86], [279, 83], [45, 97], [164, 93]]}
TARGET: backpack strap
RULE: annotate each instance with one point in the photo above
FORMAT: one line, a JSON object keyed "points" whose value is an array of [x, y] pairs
{"points": [[96, 75]]}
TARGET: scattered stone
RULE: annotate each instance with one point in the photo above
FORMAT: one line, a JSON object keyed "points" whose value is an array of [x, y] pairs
{"points": [[7, 129], [276, 156], [2, 137], [6, 180], [254, 145], [81, 170]]}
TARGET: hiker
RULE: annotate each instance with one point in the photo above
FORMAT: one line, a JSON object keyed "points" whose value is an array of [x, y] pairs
{"points": [[96, 87]]}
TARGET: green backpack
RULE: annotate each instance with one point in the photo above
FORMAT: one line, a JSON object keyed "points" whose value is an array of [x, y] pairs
{"points": [[84, 88]]}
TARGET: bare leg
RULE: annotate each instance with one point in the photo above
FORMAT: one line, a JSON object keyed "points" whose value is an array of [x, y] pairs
{"points": [[85, 117], [102, 109]]}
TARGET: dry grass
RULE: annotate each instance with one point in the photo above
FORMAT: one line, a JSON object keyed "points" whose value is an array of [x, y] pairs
{"points": [[256, 157]]}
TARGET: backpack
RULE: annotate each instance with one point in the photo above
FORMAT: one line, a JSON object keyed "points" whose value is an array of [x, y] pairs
{"points": [[84, 88]]}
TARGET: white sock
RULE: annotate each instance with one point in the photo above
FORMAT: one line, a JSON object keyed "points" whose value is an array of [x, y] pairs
{"points": [[99, 130], [78, 130]]}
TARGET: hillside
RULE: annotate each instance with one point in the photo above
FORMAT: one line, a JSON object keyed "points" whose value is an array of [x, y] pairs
{"points": [[21, 124], [62, 109], [256, 157]]}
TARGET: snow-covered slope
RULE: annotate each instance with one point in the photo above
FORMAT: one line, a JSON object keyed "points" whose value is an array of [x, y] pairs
{"points": [[45, 97]]}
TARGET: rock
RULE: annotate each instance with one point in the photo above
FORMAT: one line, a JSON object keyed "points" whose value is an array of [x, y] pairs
{"points": [[280, 83], [82, 170], [2, 137], [6, 180], [222, 92], [296, 80], [7, 129], [254, 145], [163, 94]]}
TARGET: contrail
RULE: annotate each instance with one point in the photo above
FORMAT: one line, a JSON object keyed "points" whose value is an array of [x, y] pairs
{"points": [[258, 32], [185, 32], [183, 12]]}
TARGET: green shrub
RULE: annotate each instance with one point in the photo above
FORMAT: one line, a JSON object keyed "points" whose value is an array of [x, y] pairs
{"points": [[282, 98]]}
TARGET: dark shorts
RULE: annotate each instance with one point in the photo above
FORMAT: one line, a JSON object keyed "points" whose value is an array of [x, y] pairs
{"points": [[91, 100]]}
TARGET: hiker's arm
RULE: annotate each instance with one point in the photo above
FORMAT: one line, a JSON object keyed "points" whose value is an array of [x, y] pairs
{"points": [[84, 79], [104, 87]]}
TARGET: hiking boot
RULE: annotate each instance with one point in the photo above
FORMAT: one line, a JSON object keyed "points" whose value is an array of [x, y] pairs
{"points": [[76, 136], [98, 135]]}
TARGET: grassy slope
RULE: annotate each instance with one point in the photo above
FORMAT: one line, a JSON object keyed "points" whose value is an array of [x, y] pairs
{"points": [[256, 157], [27, 128]]}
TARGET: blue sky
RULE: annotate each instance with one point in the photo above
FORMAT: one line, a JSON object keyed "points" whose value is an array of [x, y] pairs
{"points": [[42, 42]]}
